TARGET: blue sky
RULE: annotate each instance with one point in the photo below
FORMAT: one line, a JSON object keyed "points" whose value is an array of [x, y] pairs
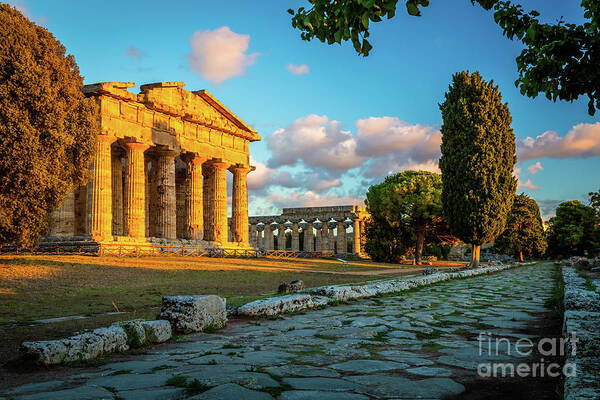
{"points": [[349, 121]]}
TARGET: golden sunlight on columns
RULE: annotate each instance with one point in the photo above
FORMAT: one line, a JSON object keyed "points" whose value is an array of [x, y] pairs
{"points": [[194, 199], [309, 243], [217, 197], [166, 218], [117, 192], [342, 246], [135, 190], [357, 236], [99, 204], [239, 194], [207, 202], [259, 239], [295, 236]]}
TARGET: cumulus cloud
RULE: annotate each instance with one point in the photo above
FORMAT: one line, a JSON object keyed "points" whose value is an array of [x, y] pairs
{"points": [[535, 168], [583, 140], [315, 141], [298, 69], [527, 185], [311, 199], [548, 207], [220, 54], [392, 145], [134, 52]]}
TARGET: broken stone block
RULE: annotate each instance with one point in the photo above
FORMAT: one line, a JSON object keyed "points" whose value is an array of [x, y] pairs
{"points": [[157, 331], [291, 287], [277, 305], [136, 334], [44, 352], [194, 313], [114, 338]]}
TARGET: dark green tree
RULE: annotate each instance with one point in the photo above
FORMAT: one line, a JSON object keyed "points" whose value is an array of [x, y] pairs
{"points": [[524, 232], [47, 127], [559, 60], [409, 201], [574, 230], [478, 157], [595, 201]]}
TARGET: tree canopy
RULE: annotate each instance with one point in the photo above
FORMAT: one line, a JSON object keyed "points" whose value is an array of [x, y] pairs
{"points": [[574, 230], [478, 157], [524, 232], [410, 202], [559, 60], [47, 127], [595, 201]]}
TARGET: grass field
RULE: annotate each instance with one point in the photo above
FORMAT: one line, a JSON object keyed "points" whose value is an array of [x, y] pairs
{"points": [[43, 286]]}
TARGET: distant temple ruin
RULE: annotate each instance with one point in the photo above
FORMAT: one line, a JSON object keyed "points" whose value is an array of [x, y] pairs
{"points": [[324, 229], [159, 170]]}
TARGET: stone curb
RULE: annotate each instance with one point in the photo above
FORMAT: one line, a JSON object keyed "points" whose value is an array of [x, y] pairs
{"points": [[319, 296], [582, 319]]}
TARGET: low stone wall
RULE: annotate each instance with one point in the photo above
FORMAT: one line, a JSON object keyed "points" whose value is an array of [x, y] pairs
{"points": [[322, 295], [582, 320]]}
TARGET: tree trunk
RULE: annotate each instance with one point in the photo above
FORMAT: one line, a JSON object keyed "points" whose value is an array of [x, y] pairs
{"points": [[419, 248], [521, 255], [475, 256]]}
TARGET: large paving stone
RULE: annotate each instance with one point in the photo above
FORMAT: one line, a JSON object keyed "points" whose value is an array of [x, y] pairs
{"points": [[368, 366], [321, 384], [129, 381], [302, 370], [233, 392], [36, 387], [386, 386], [319, 395], [194, 313], [86, 392], [429, 371], [251, 380], [156, 393]]}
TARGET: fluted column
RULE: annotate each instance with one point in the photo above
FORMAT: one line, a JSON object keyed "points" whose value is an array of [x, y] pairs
{"points": [[324, 237], [319, 238], [239, 206], [217, 197], [194, 199], [135, 190], [342, 246], [253, 236], [357, 236], [166, 208], [295, 236], [260, 243], [309, 244], [268, 236], [117, 192], [99, 204], [330, 239], [281, 236], [207, 202]]}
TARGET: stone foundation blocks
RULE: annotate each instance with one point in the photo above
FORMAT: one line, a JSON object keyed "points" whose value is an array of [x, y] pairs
{"points": [[194, 313], [157, 331], [278, 305]]}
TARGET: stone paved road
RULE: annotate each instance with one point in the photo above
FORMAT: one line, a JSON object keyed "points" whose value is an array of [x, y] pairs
{"points": [[419, 345]]}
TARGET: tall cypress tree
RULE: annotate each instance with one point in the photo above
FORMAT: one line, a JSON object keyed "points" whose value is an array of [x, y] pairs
{"points": [[478, 157]]}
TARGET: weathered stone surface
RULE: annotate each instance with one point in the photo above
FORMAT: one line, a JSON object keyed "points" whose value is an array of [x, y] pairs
{"points": [[136, 334], [367, 366], [114, 337], [155, 393], [231, 391], [157, 331], [320, 395], [81, 393], [291, 287], [277, 305], [194, 313]]}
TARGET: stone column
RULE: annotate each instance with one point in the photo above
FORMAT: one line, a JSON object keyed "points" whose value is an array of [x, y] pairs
{"points": [[319, 238], [117, 193], [330, 239], [99, 204], [268, 236], [239, 206], [357, 236], [295, 236], [194, 199], [281, 236], [324, 237], [166, 208], [135, 190], [260, 243], [253, 236], [80, 217], [342, 244], [217, 197], [309, 244], [148, 185], [207, 204]]}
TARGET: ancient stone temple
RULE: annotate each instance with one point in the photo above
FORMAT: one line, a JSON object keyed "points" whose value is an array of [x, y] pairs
{"points": [[323, 229], [160, 169]]}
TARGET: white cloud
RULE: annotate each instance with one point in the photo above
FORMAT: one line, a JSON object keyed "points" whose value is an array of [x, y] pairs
{"points": [[315, 141], [535, 168], [220, 54], [527, 185], [311, 199], [134, 52], [583, 140], [298, 69]]}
